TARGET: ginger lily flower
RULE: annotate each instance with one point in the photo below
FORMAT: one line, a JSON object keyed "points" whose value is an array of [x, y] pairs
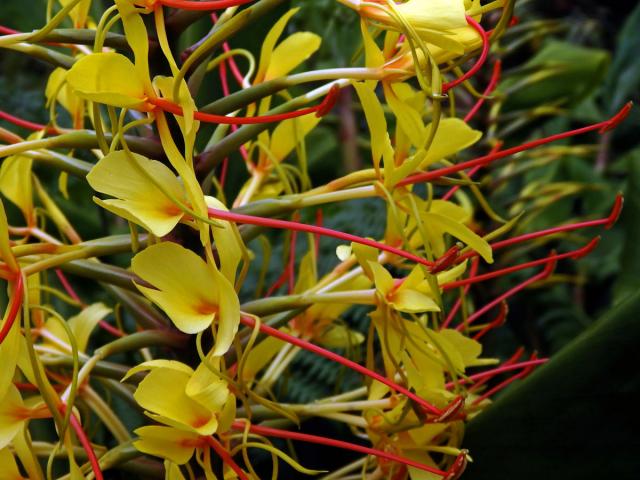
{"points": [[192, 293]]}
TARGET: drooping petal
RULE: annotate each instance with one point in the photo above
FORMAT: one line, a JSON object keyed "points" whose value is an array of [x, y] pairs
{"points": [[15, 184], [452, 136], [108, 78], [290, 133], [130, 183], [162, 392], [461, 232], [206, 388], [228, 242], [11, 418], [291, 52], [185, 287], [269, 44], [166, 442]]}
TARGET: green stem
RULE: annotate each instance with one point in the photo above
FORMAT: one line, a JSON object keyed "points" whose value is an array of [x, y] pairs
{"points": [[267, 306], [105, 414]]}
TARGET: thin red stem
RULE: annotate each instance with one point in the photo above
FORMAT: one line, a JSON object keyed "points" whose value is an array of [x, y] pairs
{"points": [[551, 262], [481, 59], [226, 457], [485, 160], [278, 283], [86, 445], [471, 172], [20, 122], [319, 220], [67, 287], [320, 110], [14, 309], [493, 83], [488, 375], [575, 254], [305, 437], [528, 369], [202, 6], [303, 227], [298, 342], [499, 370], [458, 304], [291, 266], [496, 322]]}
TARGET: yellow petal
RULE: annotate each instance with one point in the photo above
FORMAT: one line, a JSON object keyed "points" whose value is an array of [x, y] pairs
{"points": [[260, 355], [291, 52], [83, 324], [6, 254], [409, 120], [380, 142], [15, 184], [9, 469], [412, 301], [116, 175], [162, 392], [9, 354], [206, 388], [159, 363], [365, 255], [460, 232], [290, 133], [339, 336], [434, 14], [166, 442], [228, 242], [269, 44], [372, 54], [172, 471], [468, 348], [452, 136], [185, 287], [382, 278], [137, 37], [108, 78], [11, 415]]}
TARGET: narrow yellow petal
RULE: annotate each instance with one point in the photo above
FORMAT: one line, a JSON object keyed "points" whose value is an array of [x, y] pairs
{"points": [[460, 232], [290, 133], [83, 324], [166, 442], [15, 184], [291, 52], [452, 136], [11, 415]]}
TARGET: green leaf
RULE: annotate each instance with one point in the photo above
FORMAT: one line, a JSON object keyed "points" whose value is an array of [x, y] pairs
{"points": [[571, 419]]}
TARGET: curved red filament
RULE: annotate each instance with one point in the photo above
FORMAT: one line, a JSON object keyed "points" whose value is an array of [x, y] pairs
{"points": [[14, 309], [202, 6], [320, 110], [481, 59], [298, 342], [305, 437]]}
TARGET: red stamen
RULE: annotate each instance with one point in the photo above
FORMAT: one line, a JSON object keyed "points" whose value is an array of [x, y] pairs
{"points": [[548, 270], [481, 59], [319, 219], [320, 110], [279, 282], [303, 227], [7, 31], [291, 267], [26, 123], [298, 342], [446, 260], [492, 157], [458, 304], [455, 410], [226, 457], [574, 254], [305, 437], [495, 323], [471, 172], [484, 377], [528, 369], [505, 368], [202, 6], [68, 288], [458, 467], [607, 222], [493, 83], [86, 445], [14, 309]]}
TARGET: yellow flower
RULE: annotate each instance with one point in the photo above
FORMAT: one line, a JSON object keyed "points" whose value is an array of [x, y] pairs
{"points": [[192, 293]]}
